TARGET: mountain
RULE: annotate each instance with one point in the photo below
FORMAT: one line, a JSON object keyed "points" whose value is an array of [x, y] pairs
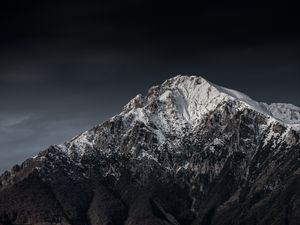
{"points": [[189, 152]]}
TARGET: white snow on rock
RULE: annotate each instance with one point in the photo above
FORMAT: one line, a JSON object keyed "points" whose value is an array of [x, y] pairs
{"points": [[196, 96], [287, 113], [260, 107], [181, 102], [78, 144]]}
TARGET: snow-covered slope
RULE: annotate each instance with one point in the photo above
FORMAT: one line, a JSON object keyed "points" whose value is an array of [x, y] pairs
{"points": [[287, 113], [193, 97], [181, 103]]}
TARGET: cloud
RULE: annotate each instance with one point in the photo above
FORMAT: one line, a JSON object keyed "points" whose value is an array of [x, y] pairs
{"points": [[8, 121]]}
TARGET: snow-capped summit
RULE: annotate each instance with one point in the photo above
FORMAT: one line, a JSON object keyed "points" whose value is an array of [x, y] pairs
{"points": [[194, 96], [182, 103], [188, 152]]}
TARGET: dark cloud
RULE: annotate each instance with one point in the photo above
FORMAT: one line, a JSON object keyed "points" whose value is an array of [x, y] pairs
{"points": [[68, 65]]}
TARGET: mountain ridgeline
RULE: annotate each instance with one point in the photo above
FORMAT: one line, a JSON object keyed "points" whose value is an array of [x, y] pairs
{"points": [[188, 153]]}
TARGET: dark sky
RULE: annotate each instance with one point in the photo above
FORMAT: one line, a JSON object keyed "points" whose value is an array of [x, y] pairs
{"points": [[68, 65]]}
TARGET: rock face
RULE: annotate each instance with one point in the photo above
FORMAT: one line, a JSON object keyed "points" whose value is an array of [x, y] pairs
{"points": [[189, 152]]}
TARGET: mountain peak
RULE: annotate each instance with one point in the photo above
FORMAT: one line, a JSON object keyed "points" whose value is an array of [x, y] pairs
{"points": [[194, 96], [179, 100], [184, 79], [215, 149], [182, 103]]}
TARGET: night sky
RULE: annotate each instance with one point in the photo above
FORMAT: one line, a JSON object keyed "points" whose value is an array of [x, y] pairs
{"points": [[66, 66]]}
